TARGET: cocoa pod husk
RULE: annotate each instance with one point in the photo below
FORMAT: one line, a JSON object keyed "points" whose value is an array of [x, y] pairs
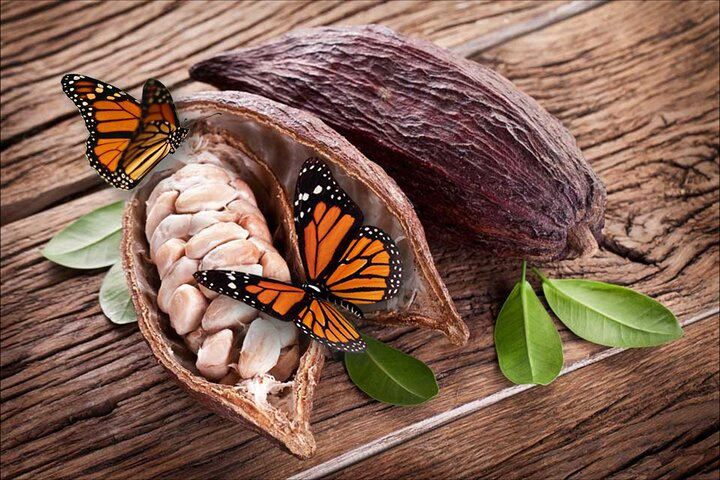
{"points": [[482, 161], [276, 140]]}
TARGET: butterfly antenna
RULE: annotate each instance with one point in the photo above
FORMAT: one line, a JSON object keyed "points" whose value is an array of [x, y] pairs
{"points": [[192, 122]]}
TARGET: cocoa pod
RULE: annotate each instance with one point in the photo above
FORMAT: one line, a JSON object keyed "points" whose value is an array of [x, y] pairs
{"points": [[265, 144], [480, 160]]}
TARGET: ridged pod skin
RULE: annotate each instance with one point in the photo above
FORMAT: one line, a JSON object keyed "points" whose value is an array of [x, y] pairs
{"points": [[277, 139], [481, 161]]}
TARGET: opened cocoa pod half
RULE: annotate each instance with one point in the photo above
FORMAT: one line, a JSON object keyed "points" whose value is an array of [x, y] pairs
{"points": [[230, 207], [481, 160]]}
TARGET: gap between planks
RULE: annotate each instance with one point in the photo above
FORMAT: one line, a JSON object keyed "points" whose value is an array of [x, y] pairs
{"points": [[565, 11], [417, 429]]}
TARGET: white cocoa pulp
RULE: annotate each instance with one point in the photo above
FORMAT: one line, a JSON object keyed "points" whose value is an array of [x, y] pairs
{"points": [[205, 217]]}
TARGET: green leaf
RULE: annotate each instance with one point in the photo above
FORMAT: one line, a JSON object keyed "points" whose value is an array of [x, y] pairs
{"points": [[389, 375], [528, 346], [115, 299], [91, 241], [609, 314]]}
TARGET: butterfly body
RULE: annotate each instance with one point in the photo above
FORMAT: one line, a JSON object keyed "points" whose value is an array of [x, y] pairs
{"points": [[322, 293], [126, 138], [347, 264]]}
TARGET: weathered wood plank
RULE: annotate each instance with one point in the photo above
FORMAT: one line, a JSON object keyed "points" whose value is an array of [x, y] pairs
{"points": [[64, 24], [83, 362], [671, 253], [14, 10], [80, 40], [645, 413], [163, 39], [561, 12]]}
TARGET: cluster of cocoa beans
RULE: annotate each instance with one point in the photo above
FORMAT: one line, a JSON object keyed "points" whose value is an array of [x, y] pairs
{"points": [[205, 217]]}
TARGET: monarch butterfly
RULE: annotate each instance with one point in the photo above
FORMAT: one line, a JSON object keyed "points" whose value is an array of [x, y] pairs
{"points": [[127, 138], [347, 264]]}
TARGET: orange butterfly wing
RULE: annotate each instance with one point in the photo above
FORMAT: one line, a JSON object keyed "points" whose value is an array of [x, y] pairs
{"points": [[324, 322], [159, 134], [326, 218], [317, 318], [157, 104], [370, 269], [279, 299], [147, 149], [111, 116]]}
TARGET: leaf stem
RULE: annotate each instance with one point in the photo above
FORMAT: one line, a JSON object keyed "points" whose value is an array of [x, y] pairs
{"points": [[524, 267], [540, 275]]}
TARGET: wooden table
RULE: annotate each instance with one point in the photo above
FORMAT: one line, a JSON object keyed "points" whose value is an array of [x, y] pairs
{"points": [[637, 83]]}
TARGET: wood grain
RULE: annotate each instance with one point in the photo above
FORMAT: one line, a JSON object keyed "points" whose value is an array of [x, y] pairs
{"points": [[83, 347], [81, 397], [644, 413], [12, 11], [162, 39]]}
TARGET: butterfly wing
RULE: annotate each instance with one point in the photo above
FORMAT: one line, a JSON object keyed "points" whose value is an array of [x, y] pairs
{"points": [[369, 271], [158, 105], [278, 299], [158, 136], [113, 119], [319, 319], [358, 265], [326, 218], [146, 150], [325, 323]]}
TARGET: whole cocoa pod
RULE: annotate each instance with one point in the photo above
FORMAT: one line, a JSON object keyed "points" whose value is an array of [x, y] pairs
{"points": [[479, 159]]}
